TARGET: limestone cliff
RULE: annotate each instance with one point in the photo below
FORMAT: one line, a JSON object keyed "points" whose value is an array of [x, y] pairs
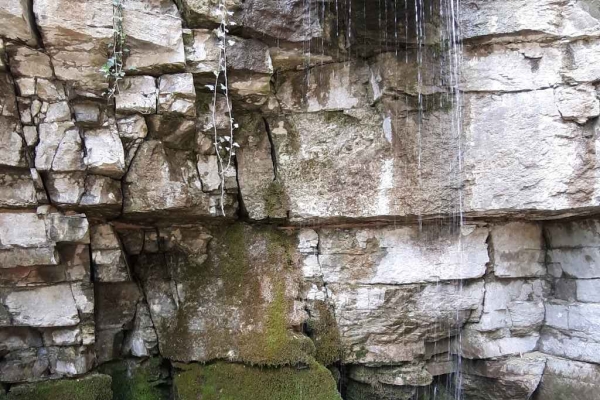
{"points": [[410, 210]]}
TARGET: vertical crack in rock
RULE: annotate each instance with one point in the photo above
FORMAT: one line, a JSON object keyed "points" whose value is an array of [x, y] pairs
{"points": [[242, 211], [273, 149]]}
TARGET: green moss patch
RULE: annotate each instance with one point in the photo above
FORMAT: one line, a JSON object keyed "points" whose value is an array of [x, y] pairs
{"points": [[324, 331], [133, 381], [237, 300], [92, 387], [223, 381]]}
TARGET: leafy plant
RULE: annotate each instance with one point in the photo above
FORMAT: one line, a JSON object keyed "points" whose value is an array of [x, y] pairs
{"points": [[113, 68], [224, 145]]}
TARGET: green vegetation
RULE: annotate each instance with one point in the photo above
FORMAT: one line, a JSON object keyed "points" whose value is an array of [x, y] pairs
{"points": [[276, 200], [137, 382], [113, 68], [92, 387], [222, 381], [325, 334]]}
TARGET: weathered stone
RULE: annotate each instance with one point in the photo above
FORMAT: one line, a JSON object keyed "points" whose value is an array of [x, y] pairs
{"points": [[87, 113], [22, 230], [51, 136], [8, 102], [28, 62], [403, 375], [141, 341], [137, 95], [18, 339], [518, 250], [162, 181], [25, 365], [42, 307], [525, 180], [16, 21], [201, 51], [578, 103], [478, 345], [177, 95], [132, 127], [517, 305], [17, 189], [401, 73], [133, 378], [544, 18], [256, 315], [574, 248], [102, 194], [11, 144], [67, 228], [569, 379], [66, 188], [104, 152], [25, 86], [286, 21], [384, 337], [531, 66], [514, 378], [62, 337], [30, 135], [208, 169], [392, 256], [329, 87], [157, 50], [49, 91], [202, 12], [15, 257], [174, 132]]}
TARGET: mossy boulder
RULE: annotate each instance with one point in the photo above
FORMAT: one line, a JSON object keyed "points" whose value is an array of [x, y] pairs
{"points": [[91, 387], [223, 381], [234, 297], [135, 380]]}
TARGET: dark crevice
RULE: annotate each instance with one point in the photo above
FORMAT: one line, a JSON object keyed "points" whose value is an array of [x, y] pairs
{"points": [[273, 150], [242, 212]]}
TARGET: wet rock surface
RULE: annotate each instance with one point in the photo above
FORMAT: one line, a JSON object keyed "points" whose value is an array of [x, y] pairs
{"points": [[398, 213]]}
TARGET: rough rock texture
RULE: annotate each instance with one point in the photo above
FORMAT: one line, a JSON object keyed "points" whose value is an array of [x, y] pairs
{"points": [[401, 217]]}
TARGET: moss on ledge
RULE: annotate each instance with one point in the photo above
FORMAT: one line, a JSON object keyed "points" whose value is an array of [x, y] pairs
{"points": [[223, 381], [325, 333], [92, 387], [133, 381]]}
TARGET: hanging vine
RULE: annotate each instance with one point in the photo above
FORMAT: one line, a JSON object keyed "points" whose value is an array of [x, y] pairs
{"points": [[224, 144], [113, 69]]}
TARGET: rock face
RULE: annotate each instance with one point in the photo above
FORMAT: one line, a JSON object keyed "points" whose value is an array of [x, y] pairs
{"points": [[369, 199]]}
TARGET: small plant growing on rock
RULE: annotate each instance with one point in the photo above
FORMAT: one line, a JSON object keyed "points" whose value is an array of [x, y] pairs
{"points": [[113, 69], [225, 145]]}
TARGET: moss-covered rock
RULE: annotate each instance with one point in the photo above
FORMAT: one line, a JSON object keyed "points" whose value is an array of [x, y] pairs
{"points": [[134, 380], [325, 333], [92, 387], [236, 300], [223, 381]]}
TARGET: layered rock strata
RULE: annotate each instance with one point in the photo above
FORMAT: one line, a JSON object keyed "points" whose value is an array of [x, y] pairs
{"points": [[409, 214]]}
